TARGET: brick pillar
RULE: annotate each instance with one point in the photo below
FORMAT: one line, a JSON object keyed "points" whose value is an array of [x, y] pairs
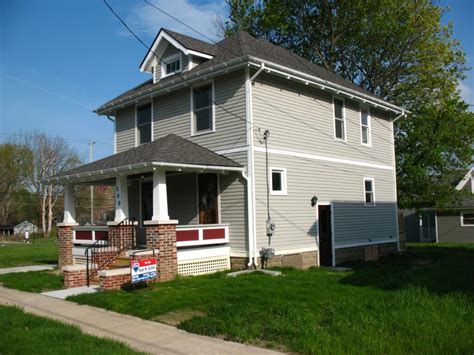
{"points": [[65, 244], [162, 236]]}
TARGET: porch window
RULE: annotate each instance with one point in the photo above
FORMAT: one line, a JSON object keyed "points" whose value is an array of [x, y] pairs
{"points": [[203, 110], [278, 181], [365, 126], [208, 198], [467, 219], [144, 123], [369, 192], [339, 120]]}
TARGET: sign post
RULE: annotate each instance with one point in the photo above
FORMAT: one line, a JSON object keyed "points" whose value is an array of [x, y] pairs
{"points": [[143, 270]]}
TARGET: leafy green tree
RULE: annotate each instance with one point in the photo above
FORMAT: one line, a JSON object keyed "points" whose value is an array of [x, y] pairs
{"points": [[397, 50]]}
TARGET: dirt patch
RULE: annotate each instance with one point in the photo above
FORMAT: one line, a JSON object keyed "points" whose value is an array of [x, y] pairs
{"points": [[176, 317]]}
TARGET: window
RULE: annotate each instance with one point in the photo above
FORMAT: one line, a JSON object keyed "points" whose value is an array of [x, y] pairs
{"points": [[365, 126], [278, 181], [208, 202], [467, 219], [369, 192], [144, 124], [203, 110], [171, 65], [146, 207], [339, 120]]}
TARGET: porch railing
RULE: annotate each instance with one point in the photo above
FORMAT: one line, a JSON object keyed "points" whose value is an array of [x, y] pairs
{"points": [[202, 234], [102, 252]]}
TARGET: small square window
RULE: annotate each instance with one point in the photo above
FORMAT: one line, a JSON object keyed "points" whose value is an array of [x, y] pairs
{"points": [[369, 192], [278, 181], [467, 219]]}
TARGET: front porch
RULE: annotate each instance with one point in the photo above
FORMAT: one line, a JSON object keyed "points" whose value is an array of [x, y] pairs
{"points": [[168, 209]]}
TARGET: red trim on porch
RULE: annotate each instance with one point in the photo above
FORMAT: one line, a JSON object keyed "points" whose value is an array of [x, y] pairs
{"points": [[84, 235], [101, 235], [187, 235], [213, 233]]}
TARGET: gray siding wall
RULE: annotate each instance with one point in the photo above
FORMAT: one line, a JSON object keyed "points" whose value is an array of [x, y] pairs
{"points": [[233, 202], [450, 229], [125, 129], [172, 114], [310, 130]]}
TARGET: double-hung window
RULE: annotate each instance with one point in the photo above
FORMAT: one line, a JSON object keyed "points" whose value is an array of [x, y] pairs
{"points": [[365, 135], [144, 124], [203, 110], [278, 181], [369, 192], [339, 120]]}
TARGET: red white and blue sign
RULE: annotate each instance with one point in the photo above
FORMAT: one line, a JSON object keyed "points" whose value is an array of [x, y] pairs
{"points": [[143, 270]]}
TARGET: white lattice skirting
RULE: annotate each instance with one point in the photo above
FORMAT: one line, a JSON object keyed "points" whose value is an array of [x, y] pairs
{"points": [[203, 266]]}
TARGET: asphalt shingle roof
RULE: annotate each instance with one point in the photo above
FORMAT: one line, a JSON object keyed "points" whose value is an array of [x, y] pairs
{"points": [[169, 149], [239, 45]]}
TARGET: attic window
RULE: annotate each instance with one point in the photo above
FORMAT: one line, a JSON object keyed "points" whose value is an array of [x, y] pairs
{"points": [[171, 65]]}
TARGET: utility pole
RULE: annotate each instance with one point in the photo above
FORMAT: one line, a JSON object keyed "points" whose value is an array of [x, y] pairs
{"points": [[91, 151]]}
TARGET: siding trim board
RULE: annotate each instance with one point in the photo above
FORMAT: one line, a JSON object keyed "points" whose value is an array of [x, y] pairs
{"points": [[321, 157]]}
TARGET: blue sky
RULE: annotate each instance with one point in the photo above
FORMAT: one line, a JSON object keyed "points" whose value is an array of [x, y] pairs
{"points": [[60, 59]]}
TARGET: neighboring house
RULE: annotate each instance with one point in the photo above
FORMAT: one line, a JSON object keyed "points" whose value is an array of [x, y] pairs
{"points": [[453, 224], [190, 149], [25, 226]]}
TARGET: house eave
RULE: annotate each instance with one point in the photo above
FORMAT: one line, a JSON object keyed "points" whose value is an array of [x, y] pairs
{"points": [[131, 169]]}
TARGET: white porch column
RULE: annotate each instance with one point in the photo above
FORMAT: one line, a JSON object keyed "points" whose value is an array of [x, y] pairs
{"points": [[121, 198], [69, 205], [160, 197]]}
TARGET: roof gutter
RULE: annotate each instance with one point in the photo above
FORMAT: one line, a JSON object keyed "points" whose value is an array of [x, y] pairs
{"points": [[136, 168], [324, 84]]}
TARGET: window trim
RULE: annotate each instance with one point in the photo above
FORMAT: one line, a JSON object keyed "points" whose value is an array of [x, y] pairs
{"points": [[344, 118], [168, 60], [462, 219], [284, 181], [137, 141], [369, 126], [213, 108], [372, 180]]}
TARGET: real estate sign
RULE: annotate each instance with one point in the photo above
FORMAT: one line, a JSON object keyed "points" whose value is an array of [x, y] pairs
{"points": [[143, 270]]}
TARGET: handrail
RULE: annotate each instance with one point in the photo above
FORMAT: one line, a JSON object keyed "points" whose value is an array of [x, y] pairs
{"points": [[103, 252]]}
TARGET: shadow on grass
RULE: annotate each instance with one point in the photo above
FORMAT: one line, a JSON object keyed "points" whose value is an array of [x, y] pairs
{"points": [[438, 269]]}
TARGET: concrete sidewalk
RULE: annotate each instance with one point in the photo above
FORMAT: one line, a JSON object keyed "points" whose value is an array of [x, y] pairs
{"points": [[27, 268], [142, 335]]}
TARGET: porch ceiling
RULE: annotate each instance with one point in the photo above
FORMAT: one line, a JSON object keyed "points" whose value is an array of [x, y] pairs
{"points": [[171, 151]]}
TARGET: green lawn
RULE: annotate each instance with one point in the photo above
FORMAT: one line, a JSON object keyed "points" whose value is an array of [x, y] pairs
{"points": [[33, 281], [418, 302], [42, 251], [23, 333]]}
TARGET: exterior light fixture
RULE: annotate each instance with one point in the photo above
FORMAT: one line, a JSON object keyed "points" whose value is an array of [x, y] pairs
{"points": [[314, 201]]}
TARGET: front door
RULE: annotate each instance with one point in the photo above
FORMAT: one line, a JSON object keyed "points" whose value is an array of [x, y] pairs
{"points": [[208, 198], [325, 235]]}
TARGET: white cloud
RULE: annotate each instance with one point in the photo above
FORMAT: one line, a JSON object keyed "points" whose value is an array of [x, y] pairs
{"points": [[467, 93], [202, 17]]}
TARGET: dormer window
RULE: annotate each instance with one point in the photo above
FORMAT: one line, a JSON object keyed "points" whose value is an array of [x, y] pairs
{"points": [[171, 65]]}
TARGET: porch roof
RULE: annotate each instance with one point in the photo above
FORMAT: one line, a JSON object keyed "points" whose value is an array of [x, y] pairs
{"points": [[170, 151]]}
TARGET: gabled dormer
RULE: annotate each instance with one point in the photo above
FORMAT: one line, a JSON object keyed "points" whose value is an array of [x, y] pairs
{"points": [[173, 53]]}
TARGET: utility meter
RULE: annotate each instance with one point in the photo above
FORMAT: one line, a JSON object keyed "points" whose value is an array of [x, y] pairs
{"points": [[270, 227]]}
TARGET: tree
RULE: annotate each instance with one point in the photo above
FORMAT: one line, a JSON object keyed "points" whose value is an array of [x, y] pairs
{"points": [[15, 163], [397, 50], [51, 156]]}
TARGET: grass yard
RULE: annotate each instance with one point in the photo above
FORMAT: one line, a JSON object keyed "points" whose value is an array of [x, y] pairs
{"points": [[33, 281], [42, 251], [23, 333], [417, 302]]}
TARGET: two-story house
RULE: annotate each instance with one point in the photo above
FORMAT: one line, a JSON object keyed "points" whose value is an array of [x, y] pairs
{"points": [[191, 151]]}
